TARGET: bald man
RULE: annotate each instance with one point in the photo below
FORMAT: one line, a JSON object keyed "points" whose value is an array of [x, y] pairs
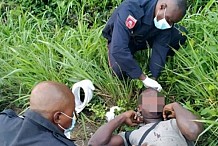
{"points": [[137, 24], [179, 127], [47, 122]]}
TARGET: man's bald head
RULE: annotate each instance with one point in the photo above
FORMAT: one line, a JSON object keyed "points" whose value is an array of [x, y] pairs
{"points": [[49, 97]]}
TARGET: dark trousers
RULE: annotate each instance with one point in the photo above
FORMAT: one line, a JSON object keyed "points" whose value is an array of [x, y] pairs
{"points": [[177, 39]]}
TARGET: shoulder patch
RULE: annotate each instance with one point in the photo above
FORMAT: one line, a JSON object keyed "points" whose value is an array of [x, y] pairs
{"points": [[130, 22]]}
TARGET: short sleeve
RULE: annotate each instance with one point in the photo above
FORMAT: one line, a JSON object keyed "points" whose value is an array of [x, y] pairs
{"points": [[122, 134], [175, 127]]}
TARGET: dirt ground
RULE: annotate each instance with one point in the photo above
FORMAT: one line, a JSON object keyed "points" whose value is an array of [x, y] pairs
{"points": [[82, 133]]}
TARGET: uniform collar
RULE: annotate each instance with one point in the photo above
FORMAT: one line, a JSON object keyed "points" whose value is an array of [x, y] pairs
{"points": [[149, 8], [37, 118], [40, 120]]}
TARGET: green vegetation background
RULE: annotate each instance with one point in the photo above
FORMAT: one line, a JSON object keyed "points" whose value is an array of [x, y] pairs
{"points": [[61, 40]]}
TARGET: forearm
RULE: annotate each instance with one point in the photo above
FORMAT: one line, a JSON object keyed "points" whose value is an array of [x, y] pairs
{"points": [[158, 59], [104, 134], [189, 128]]}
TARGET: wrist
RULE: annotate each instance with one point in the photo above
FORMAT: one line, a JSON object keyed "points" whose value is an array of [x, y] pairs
{"points": [[175, 104], [122, 118], [142, 77], [153, 78]]}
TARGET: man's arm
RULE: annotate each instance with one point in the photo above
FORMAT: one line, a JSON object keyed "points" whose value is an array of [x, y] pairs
{"points": [[160, 49], [184, 118], [119, 46], [104, 136]]}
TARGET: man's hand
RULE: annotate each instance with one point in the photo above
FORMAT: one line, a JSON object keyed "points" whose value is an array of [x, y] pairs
{"points": [[168, 111], [148, 82], [186, 120], [132, 118]]}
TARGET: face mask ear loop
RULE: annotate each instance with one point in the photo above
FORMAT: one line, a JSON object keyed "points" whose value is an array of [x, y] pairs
{"points": [[67, 115], [157, 13], [165, 12], [61, 127]]}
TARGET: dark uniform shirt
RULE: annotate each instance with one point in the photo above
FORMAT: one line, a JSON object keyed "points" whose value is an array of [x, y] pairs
{"points": [[124, 42], [32, 130]]}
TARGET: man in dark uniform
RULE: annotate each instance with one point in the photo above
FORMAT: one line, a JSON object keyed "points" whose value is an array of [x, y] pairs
{"points": [[136, 23], [46, 123]]}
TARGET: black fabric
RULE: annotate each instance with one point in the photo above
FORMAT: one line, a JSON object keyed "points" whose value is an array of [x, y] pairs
{"points": [[32, 130], [127, 134], [147, 132], [189, 143]]}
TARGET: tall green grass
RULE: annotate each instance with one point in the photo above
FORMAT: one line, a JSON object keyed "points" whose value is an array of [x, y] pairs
{"points": [[193, 74], [34, 48]]}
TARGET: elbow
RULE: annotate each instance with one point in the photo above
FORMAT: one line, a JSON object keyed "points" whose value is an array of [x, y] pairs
{"points": [[194, 131], [192, 136], [115, 54], [118, 57], [97, 141], [94, 142]]}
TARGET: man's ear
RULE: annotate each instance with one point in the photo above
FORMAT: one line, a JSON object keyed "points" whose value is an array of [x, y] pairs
{"points": [[56, 117], [163, 6]]}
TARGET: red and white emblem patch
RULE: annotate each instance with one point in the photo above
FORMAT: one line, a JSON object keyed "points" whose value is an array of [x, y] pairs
{"points": [[130, 22]]}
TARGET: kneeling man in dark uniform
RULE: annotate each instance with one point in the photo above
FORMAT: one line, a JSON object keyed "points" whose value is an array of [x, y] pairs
{"points": [[136, 24]]}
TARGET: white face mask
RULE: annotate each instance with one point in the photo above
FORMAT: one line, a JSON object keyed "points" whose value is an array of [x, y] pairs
{"points": [[161, 24], [70, 129]]}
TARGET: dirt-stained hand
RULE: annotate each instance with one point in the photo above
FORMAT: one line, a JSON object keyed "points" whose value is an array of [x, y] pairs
{"points": [[132, 118], [168, 112]]}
